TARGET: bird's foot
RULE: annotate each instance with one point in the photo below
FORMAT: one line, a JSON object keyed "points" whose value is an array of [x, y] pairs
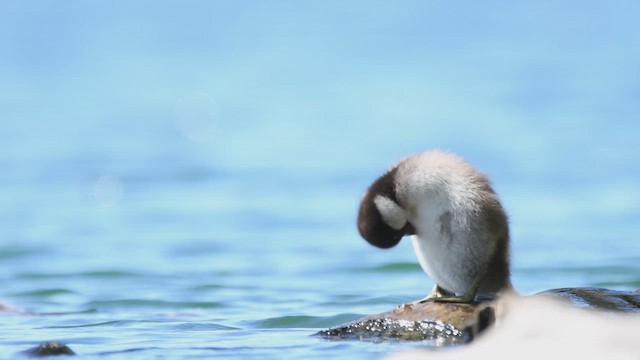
{"points": [[436, 293], [465, 298]]}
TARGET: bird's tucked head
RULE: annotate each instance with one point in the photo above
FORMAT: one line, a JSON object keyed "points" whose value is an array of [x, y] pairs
{"points": [[381, 220]]}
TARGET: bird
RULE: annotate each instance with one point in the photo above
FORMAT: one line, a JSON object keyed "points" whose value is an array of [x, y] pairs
{"points": [[458, 227]]}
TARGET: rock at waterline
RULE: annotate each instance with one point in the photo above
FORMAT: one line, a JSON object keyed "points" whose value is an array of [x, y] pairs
{"points": [[444, 323], [49, 349], [452, 323]]}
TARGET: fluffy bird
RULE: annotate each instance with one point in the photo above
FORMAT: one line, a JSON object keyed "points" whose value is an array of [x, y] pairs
{"points": [[460, 231]]}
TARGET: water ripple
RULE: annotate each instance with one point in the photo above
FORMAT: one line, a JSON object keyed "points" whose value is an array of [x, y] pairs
{"points": [[19, 252], [391, 268], [304, 321], [43, 293], [144, 303], [100, 274], [202, 326], [113, 323]]}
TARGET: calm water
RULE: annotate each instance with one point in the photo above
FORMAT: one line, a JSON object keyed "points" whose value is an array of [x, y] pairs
{"points": [[180, 179]]}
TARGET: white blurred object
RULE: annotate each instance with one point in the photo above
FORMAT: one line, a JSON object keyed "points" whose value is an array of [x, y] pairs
{"points": [[544, 328]]}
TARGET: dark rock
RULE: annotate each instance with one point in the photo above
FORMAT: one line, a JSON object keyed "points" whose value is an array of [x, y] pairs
{"points": [[49, 349], [596, 298]]}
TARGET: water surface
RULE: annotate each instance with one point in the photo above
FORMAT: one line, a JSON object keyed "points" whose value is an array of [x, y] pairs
{"points": [[180, 179]]}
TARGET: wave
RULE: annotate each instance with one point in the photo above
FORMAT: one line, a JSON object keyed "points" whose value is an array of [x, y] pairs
{"points": [[157, 304], [304, 321]]}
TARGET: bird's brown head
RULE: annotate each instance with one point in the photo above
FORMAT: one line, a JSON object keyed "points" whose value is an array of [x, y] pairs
{"points": [[381, 220]]}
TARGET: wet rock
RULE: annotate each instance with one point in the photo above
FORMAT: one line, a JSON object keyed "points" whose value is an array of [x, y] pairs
{"points": [[388, 329], [601, 299], [49, 349], [453, 323], [444, 323]]}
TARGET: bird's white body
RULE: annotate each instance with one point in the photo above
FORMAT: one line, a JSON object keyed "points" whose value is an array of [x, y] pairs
{"points": [[440, 195]]}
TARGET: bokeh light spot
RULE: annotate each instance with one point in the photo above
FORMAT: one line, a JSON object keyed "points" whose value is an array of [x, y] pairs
{"points": [[108, 191], [196, 116]]}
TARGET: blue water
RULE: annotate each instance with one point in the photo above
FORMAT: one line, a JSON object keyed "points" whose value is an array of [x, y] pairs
{"points": [[180, 179]]}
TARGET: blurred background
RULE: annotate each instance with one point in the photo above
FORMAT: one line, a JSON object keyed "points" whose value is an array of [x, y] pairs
{"points": [[193, 168]]}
